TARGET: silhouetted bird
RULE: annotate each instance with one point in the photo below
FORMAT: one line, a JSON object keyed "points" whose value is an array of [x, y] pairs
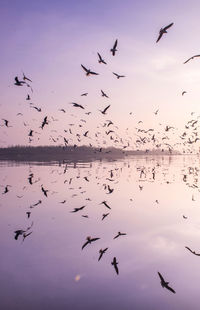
{"points": [[101, 252], [163, 30], [191, 58], [118, 75], [113, 49], [115, 263], [78, 209], [45, 191], [88, 71], [104, 111], [193, 252], [105, 204], [104, 94], [101, 61], [76, 105], [19, 83], [119, 234], [89, 241], [165, 284]]}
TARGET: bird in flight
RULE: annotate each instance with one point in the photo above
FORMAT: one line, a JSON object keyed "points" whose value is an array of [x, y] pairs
{"points": [[113, 49], [184, 92], [104, 215], [105, 204], [25, 78], [119, 234], [191, 58], [84, 94], [163, 30], [118, 76], [101, 60], [104, 94], [165, 284], [101, 252], [88, 71], [77, 209], [89, 241], [19, 83], [45, 122], [76, 105], [115, 263], [193, 252], [104, 111]]}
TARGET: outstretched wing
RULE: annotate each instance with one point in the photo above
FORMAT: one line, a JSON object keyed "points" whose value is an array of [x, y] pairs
{"points": [[170, 289], [160, 36], [92, 72], [84, 68], [84, 245], [106, 108], [100, 58], [161, 277], [115, 45], [167, 27]]}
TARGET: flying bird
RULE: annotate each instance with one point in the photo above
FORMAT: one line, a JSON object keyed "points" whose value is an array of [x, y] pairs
{"points": [[163, 30], [84, 94], [88, 71], [184, 92], [165, 284], [193, 252], [25, 78], [76, 105], [118, 76], [103, 94], [18, 83], [115, 263], [101, 252], [119, 234], [191, 58], [104, 111], [77, 209], [89, 241], [113, 49], [101, 60]]}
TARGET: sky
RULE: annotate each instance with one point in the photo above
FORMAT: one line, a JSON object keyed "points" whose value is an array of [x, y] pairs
{"points": [[49, 40]]}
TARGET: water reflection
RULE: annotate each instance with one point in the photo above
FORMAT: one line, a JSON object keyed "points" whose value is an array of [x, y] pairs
{"points": [[142, 212]]}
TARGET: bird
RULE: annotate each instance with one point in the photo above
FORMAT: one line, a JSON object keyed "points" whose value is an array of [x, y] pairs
{"points": [[89, 241], [101, 60], [5, 122], [6, 190], [88, 71], [110, 190], [119, 234], [44, 190], [163, 30], [118, 76], [37, 109], [184, 92], [19, 83], [101, 252], [45, 122], [113, 49], [165, 284], [104, 111], [76, 105], [104, 215], [193, 252], [77, 209], [156, 112], [191, 58], [105, 204], [104, 94], [115, 263], [28, 97], [84, 94]]}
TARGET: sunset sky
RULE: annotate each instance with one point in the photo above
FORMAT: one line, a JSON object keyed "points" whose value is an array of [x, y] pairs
{"points": [[49, 40]]}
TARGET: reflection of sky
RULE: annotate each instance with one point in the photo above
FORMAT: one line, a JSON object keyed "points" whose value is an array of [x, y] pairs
{"points": [[48, 40], [50, 271]]}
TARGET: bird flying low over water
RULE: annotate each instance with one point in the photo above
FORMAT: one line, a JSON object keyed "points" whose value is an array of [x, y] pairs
{"points": [[101, 252], [113, 49], [191, 58], [88, 71], [115, 263], [118, 76], [89, 241], [163, 30], [101, 60], [165, 284], [193, 252]]}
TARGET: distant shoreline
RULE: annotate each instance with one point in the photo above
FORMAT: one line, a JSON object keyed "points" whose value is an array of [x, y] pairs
{"points": [[70, 153]]}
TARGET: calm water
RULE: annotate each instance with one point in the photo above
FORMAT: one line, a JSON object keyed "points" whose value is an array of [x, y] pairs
{"points": [[48, 269]]}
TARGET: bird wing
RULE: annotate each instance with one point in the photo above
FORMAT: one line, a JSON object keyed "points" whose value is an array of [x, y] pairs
{"points": [[94, 239], [115, 74], [116, 269], [170, 289], [189, 249], [100, 58], [106, 108], [92, 72], [159, 37], [188, 60], [84, 245], [168, 26], [84, 68], [115, 45], [161, 277]]}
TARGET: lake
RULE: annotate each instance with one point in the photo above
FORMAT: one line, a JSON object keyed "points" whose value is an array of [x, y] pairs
{"points": [[154, 201]]}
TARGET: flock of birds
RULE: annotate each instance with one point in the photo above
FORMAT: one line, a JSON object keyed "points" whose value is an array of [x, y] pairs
{"points": [[158, 140]]}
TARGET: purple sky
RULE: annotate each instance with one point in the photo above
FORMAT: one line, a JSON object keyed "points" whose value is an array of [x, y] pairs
{"points": [[49, 40]]}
